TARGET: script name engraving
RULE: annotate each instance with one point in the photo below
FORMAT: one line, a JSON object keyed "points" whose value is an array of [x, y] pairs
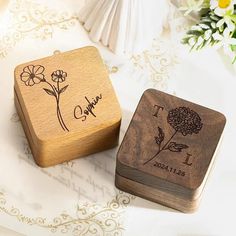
{"points": [[81, 113]]}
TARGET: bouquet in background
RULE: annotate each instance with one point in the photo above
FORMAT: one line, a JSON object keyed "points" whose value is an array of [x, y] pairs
{"points": [[216, 25]]}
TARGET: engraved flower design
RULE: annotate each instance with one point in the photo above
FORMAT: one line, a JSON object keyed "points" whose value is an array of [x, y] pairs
{"points": [[59, 76], [184, 120], [32, 75]]}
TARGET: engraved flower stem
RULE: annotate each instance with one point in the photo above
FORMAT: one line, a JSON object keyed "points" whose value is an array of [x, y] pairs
{"points": [[161, 149], [57, 97], [58, 107]]}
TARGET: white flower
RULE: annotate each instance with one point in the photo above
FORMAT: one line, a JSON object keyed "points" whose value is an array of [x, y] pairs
{"points": [[222, 7], [225, 40]]}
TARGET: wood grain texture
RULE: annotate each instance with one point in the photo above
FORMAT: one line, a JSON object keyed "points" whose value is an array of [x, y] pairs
{"points": [[67, 105], [156, 195], [170, 145]]}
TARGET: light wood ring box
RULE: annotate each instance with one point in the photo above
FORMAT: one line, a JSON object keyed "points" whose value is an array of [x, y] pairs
{"points": [[168, 150], [67, 106]]}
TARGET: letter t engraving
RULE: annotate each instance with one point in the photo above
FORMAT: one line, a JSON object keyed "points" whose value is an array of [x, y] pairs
{"points": [[157, 110]]}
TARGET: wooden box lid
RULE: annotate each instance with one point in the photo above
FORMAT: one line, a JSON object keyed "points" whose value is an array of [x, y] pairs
{"points": [[67, 105], [169, 146]]}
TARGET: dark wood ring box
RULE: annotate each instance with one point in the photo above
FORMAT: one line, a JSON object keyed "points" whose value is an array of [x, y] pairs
{"points": [[168, 150], [67, 106]]}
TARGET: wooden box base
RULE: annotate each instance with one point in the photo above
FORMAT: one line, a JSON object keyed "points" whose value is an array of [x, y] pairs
{"points": [[155, 195]]}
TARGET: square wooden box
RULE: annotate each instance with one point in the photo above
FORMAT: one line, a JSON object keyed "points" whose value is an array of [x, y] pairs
{"points": [[67, 106], [168, 150]]}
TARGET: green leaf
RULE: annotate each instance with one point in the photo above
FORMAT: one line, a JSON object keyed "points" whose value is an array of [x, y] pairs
{"points": [[233, 18], [194, 6], [233, 47], [50, 92], [204, 26], [206, 20], [234, 60], [234, 34], [200, 35]]}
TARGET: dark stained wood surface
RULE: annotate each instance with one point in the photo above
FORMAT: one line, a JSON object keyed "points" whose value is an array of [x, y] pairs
{"points": [[157, 195], [170, 144]]}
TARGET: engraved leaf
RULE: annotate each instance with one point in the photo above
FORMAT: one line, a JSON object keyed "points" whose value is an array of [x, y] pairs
{"points": [[49, 92], [160, 137], [175, 147], [63, 89]]}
